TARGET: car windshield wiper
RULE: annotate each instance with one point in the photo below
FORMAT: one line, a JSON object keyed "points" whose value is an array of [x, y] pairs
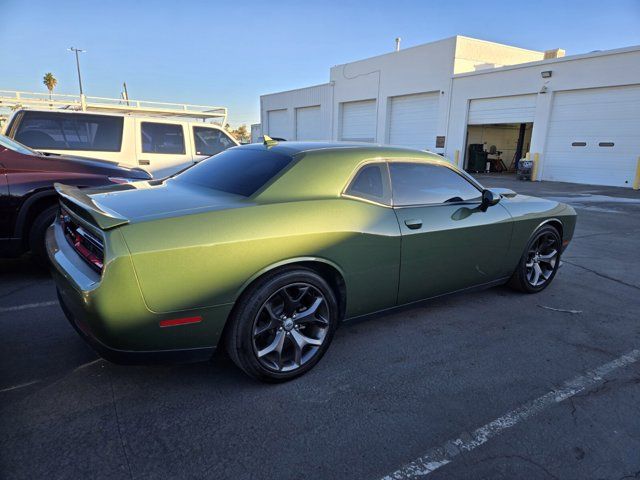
{"points": [[454, 199]]}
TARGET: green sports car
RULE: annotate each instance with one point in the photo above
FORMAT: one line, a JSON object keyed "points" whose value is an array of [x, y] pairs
{"points": [[265, 248]]}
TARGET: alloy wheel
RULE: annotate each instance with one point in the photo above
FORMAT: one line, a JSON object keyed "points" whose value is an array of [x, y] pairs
{"points": [[290, 327], [542, 258]]}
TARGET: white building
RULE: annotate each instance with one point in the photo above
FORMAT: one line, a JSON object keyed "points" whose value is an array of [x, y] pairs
{"points": [[578, 115], [256, 132]]}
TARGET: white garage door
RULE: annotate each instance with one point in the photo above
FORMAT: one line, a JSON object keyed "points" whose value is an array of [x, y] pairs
{"points": [[513, 109], [278, 123], [308, 123], [594, 136], [413, 120], [358, 121]]}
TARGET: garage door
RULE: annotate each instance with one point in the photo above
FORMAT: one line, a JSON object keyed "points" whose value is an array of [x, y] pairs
{"points": [[358, 121], [278, 123], [594, 136], [413, 120], [308, 123], [513, 109]]}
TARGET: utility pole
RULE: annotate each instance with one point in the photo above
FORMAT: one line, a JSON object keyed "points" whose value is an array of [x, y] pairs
{"points": [[76, 51], [126, 94]]}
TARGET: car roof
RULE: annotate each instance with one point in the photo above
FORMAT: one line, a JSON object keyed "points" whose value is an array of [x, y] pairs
{"points": [[323, 169], [294, 148]]}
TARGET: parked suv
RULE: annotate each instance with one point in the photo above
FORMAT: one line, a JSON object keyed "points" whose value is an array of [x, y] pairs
{"points": [[28, 202], [159, 145]]}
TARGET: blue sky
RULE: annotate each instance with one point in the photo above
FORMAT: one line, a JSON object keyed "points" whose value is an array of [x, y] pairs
{"points": [[228, 53]]}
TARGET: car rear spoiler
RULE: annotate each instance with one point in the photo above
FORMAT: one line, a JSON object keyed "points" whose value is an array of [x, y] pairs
{"points": [[84, 206]]}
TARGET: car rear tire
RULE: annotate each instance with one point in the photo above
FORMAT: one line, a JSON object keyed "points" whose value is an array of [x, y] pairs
{"points": [[539, 262], [37, 235], [282, 325]]}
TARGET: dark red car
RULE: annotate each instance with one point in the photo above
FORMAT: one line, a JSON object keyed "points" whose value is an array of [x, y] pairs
{"points": [[28, 202]]}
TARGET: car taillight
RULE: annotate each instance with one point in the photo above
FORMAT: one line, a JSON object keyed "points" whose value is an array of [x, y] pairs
{"points": [[86, 244]]}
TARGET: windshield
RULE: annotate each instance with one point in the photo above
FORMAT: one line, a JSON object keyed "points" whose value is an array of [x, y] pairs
{"points": [[238, 171], [6, 142]]}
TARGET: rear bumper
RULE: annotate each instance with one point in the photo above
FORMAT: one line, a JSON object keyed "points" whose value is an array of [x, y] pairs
{"points": [[130, 357], [109, 314]]}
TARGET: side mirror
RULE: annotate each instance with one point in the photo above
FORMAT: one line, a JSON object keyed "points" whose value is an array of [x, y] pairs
{"points": [[489, 199]]}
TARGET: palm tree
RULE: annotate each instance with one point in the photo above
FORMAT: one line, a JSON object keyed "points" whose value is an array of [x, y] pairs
{"points": [[50, 82]]}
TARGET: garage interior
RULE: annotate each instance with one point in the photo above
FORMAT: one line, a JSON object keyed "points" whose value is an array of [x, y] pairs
{"points": [[498, 144]]}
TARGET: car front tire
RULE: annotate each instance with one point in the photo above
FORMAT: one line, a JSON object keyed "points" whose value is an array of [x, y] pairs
{"points": [[539, 262], [282, 325]]}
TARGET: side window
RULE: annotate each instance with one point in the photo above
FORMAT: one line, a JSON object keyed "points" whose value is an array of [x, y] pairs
{"points": [[420, 183], [70, 131], [162, 138], [371, 183], [209, 141]]}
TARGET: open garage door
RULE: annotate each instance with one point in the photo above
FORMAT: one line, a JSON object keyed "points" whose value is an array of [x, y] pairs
{"points": [[358, 121], [513, 109], [594, 136], [413, 120], [278, 123], [308, 123], [500, 145]]}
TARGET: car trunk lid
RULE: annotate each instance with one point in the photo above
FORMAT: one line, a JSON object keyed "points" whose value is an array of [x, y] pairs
{"points": [[113, 206]]}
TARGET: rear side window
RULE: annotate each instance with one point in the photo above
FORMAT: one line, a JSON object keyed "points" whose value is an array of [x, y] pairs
{"points": [[70, 131], [371, 183], [210, 141], [239, 171], [162, 138], [420, 184]]}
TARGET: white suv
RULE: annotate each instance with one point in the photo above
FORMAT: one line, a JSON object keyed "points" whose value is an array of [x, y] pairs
{"points": [[160, 145]]}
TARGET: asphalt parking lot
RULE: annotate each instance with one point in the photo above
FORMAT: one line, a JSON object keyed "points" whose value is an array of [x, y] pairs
{"points": [[470, 386]]}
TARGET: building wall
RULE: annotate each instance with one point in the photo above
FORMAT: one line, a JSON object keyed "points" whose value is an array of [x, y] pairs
{"points": [[473, 55], [425, 68], [421, 69], [603, 69], [292, 99], [458, 70], [256, 132]]}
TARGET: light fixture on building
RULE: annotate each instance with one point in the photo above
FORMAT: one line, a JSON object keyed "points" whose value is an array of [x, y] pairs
{"points": [[546, 74]]}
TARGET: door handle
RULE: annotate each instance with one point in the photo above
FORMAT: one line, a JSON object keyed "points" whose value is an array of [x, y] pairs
{"points": [[144, 162], [414, 223]]}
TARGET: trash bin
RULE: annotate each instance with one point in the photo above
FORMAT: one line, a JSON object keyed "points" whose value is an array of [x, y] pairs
{"points": [[477, 158], [524, 169]]}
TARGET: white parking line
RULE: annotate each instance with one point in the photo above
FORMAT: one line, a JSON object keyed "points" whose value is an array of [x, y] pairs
{"points": [[93, 362], [28, 305], [15, 387], [445, 453]]}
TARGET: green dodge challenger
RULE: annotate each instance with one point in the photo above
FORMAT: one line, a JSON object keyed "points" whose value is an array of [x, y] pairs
{"points": [[263, 249]]}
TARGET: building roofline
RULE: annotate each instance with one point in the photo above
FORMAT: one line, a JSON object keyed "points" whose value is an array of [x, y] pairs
{"points": [[551, 61], [500, 44], [442, 40], [296, 89]]}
